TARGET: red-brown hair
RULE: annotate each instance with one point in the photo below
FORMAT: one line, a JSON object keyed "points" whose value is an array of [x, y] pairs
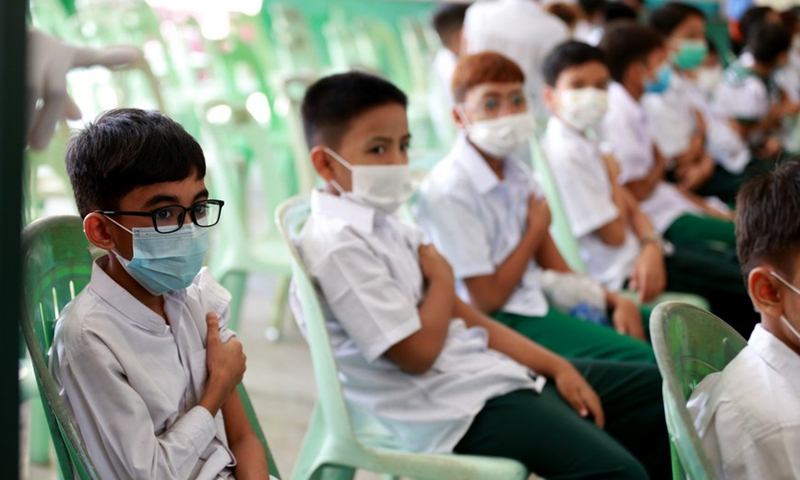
{"points": [[484, 67]]}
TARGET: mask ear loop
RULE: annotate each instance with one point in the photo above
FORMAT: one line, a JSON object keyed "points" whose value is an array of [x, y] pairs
{"points": [[343, 163], [783, 317], [462, 114], [118, 224]]}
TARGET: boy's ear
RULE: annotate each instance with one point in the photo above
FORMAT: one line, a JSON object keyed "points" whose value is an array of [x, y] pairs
{"points": [[322, 163], [763, 289], [458, 117], [96, 229], [549, 97]]}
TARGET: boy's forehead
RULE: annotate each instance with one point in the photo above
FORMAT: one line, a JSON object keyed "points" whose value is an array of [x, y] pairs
{"points": [[184, 191], [493, 88], [589, 71], [383, 119]]}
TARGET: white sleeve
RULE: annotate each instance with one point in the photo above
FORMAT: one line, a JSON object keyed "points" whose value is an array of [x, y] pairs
{"points": [[747, 100], [116, 425], [366, 301], [634, 161]]}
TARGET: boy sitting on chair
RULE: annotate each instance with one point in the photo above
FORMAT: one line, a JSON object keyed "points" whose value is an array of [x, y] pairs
{"points": [[143, 357], [436, 373], [487, 215], [748, 415]]}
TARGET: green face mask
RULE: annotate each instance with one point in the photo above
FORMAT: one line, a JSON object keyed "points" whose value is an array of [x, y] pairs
{"points": [[690, 55]]}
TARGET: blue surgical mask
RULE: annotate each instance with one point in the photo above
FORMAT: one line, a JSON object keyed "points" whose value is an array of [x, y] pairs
{"points": [[661, 83], [164, 262]]}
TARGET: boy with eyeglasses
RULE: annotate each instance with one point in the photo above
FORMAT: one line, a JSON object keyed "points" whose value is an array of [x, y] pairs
{"points": [[145, 362], [748, 415]]}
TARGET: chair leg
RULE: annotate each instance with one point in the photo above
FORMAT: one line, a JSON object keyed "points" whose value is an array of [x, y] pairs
{"points": [[236, 283], [275, 328], [331, 472], [39, 434]]}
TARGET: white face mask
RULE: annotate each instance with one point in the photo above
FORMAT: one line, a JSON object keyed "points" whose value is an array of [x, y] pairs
{"points": [[583, 108], [501, 136], [708, 78], [385, 187], [783, 317]]}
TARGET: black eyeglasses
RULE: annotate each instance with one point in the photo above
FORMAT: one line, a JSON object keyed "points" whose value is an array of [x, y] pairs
{"points": [[204, 213]]}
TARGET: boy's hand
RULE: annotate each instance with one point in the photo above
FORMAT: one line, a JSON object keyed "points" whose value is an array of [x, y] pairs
{"points": [[538, 214], [627, 319], [434, 265], [649, 276], [226, 364], [579, 394], [692, 177], [612, 167]]}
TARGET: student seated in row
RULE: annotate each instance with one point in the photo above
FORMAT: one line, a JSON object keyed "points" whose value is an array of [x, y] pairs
{"points": [[436, 373], [618, 242], [749, 96], [681, 124], [637, 61], [487, 215], [143, 357], [748, 415]]}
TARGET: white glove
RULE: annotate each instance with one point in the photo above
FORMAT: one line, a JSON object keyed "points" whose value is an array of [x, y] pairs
{"points": [[565, 291], [49, 60]]}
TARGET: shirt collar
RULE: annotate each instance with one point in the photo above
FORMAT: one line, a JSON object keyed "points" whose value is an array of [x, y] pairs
{"points": [[618, 95], [478, 171], [126, 304], [776, 354], [359, 216]]}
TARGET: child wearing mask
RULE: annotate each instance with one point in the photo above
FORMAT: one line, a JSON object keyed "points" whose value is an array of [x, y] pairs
{"points": [[748, 415], [145, 362], [436, 373], [487, 215], [617, 241], [638, 63]]}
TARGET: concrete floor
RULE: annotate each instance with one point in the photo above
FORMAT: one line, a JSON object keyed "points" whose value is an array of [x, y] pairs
{"points": [[279, 379]]}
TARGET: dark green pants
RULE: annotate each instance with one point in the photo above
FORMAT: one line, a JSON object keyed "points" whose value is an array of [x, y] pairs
{"points": [[722, 184], [544, 433], [705, 263], [574, 338]]}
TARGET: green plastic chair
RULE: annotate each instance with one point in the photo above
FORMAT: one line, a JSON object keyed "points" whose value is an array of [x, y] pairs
{"points": [[331, 449], [58, 264], [566, 241], [689, 344]]}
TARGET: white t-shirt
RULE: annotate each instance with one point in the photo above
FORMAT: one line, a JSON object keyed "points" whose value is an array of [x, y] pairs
{"points": [[586, 194], [519, 29], [366, 268], [628, 130], [132, 382], [748, 415], [476, 220]]}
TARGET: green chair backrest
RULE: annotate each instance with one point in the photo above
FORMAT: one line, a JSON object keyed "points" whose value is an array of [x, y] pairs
{"points": [[689, 344], [562, 232], [290, 217], [58, 265]]}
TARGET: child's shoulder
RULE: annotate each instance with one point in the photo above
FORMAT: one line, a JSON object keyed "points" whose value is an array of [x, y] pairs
{"points": [[80, 320]]}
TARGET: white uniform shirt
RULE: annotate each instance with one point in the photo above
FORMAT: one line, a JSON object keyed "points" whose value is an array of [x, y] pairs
{"points": [[673, 118], [366, 266], [132, 382], [628, 130], [748, 416], [520, 30], [586, 194], [476, 221], [742, 95]]}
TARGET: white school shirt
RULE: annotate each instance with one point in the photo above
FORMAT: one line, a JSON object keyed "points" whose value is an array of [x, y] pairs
{"points": [[742, 95], [586, 194], [673, 118], [365, 264], [748, 415], [476, 221], [132, 382], [628, 130], [519, 29]]}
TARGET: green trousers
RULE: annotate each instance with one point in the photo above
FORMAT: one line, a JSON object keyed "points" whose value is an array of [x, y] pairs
{"points": [[544, 433], [575, 338], [722, 184], [704, 262]]}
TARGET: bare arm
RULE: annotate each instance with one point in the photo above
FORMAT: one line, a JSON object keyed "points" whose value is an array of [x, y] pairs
{"points": [[641, 189], [490, 292], [549, 256], [613, 233], [418, 352], [251, 461]]}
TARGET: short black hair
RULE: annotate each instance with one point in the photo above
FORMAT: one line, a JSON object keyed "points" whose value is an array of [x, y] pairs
{"points": [[767, 41], [625, 43], [768, 216], [447, 19], [750, 18], [712, 47], [128, 148], [619, 11], [332, 102], [667, 18], [590, 7], [569, 54]]}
